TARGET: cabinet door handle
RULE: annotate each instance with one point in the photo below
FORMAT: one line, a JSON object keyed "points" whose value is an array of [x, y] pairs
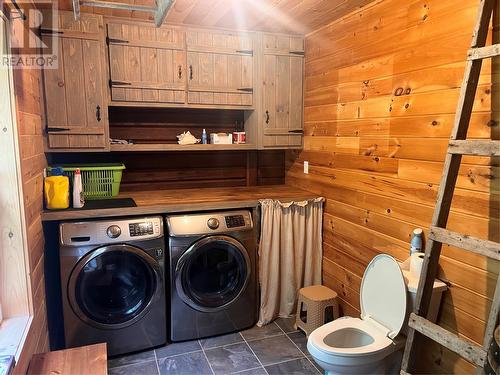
{"points": [[296, 131], [298, 53], [54, 130], [115, 41], [98, 113], [119, 83], [246, 89], [50, 32], [245, 51], [180, 72], [267, 117], [190, 72]]}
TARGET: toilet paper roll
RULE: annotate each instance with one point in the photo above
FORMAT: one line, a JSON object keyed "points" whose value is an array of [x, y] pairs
{"points": [[416, 262]]}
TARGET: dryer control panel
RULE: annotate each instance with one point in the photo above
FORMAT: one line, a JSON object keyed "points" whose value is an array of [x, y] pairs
{"points": [[209, 223]]}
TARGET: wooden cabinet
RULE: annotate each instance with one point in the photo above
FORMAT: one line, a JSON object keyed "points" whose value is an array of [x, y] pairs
{"points": [[282, 91], [126, 63], [76, 104], [158, 65], [147, 64], [220, 68]]}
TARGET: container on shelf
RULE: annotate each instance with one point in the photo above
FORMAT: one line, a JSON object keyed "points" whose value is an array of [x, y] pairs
{"points": [[239, 137], [78, 198], [100, 181], [221, 138], [204, 139], [416, 241], [56, 190]]}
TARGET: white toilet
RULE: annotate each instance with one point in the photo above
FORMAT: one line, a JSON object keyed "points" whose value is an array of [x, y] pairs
{"points": [[372, 344]]}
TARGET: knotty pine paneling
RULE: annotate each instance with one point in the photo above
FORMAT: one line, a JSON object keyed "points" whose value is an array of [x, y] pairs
{"points": [[183, 170], [381, 90], [29, 112], [178, 170]]}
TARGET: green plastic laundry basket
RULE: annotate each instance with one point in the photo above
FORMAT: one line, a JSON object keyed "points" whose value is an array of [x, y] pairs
{"points": [[100, 181]]}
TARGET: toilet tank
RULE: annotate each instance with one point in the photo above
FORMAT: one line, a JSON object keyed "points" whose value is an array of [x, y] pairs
{"points": [[412, 285]]}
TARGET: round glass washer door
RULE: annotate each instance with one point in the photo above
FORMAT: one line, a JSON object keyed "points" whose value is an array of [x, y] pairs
{"points": [[212, 273], [113, 286]]}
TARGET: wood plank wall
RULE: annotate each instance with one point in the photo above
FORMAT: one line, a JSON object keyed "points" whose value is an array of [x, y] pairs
{"points": [[29, 111], [178, 170], [162, 125], [381, 91]]}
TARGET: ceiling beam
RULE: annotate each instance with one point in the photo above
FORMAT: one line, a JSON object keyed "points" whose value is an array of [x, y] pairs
{"points": [[163, 6]]}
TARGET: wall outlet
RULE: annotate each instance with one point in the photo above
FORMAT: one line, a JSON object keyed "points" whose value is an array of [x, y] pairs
{"points": [[306, 167]]}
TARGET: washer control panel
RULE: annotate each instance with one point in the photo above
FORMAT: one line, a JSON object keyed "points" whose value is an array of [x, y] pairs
{"points": [[141, 229], [235, 221], [209, 223], [99, 232]]}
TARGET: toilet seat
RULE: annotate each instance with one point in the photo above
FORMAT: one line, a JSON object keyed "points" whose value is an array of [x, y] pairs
{"points": [[383, 294], [378, 344]]}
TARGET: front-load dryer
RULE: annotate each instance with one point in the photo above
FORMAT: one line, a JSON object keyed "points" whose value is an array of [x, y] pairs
{"points": [[112, 276], [213, 273]]}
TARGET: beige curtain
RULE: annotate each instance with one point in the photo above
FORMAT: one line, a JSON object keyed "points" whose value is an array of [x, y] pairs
{"points": [[290, 253]]}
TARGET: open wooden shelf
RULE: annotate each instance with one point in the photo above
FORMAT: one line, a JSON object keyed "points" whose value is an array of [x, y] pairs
{"points": [[176, 147]]}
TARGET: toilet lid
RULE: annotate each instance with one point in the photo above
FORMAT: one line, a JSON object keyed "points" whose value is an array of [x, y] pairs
{"points": [[383, 293]]}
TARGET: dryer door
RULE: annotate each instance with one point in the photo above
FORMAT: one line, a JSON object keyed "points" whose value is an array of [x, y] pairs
{"points": [[212, 273], [113, 286]]}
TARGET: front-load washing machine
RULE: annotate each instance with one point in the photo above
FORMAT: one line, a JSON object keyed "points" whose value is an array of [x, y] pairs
{"points": [[112, 279], [213, 273]]}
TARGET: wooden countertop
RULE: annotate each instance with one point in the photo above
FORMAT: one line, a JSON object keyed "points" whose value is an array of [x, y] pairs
{"points": [[183, 200]]}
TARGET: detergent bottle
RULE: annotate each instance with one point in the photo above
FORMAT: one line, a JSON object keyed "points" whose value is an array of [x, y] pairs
{"points": [[78, 199], [56, 188]]}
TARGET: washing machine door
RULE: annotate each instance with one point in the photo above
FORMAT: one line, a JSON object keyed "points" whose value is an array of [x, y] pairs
{"points": [[113, 286], [212, 273]]}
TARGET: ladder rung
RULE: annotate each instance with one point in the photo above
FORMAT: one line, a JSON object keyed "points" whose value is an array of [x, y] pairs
{"points": [[466, 349], [483, 52], [480, 148], [484, 247]]}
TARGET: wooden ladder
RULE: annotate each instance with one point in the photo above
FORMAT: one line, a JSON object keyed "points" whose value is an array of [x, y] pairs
{"points": [[458, 146]]}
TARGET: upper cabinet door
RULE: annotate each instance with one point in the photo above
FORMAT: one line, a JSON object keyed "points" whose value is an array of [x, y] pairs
{"points": [[220, 68], [76, 108], [147, 64], [283, 90]]}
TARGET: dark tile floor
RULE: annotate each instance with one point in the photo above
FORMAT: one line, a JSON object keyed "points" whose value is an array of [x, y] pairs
{"points": [[273, 349]]}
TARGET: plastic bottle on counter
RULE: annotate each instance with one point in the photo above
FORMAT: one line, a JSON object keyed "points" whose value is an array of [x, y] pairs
{"points": [[204, 137], [78, 199], [56, 189]]}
